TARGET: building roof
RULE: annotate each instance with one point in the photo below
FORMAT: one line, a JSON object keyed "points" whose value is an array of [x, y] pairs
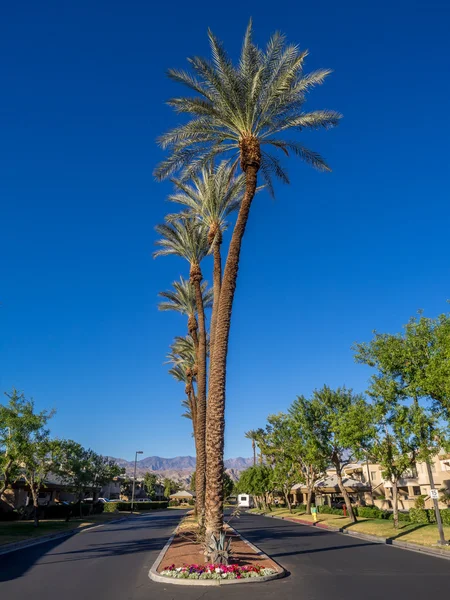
{"points": [[330, 485], [182, 494]]}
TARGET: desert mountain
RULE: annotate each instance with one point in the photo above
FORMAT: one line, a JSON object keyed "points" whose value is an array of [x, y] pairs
{"points": [[179, 468]]}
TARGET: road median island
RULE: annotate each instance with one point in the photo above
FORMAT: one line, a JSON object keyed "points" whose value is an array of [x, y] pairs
{"points": [[182, 562]]}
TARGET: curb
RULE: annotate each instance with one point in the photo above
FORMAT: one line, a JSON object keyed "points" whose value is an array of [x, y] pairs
{"points": [[13, 547], [155, 576], [437, 552]]}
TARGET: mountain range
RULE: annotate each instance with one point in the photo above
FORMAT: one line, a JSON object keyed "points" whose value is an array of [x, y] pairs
{"points": [[179, 468]]}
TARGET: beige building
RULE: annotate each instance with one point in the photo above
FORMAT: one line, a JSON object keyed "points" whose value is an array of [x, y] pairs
{"points": [[365, 484]]}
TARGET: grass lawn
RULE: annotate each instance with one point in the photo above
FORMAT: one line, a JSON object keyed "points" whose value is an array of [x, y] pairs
{"points": [[416, 533], [16, 531]]}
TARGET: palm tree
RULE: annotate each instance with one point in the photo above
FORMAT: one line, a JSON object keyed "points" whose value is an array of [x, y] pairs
{"points": [[182, 299], [211, 197], [187, 238], [252, 435], [245, 110]]}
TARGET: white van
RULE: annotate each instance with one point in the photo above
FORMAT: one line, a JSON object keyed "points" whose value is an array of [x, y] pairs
{"points": [[245, 501]]}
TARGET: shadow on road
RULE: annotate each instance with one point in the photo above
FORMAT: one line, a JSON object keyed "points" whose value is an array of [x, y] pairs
{"points": [[88, 545]]}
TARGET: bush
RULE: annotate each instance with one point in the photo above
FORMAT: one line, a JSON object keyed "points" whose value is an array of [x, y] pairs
{"points": [[329, 510], [300, 508], [401, 516], [369, 512], [419, 502], [126, 506], [445, 514], [173, 503], [418, 515]]}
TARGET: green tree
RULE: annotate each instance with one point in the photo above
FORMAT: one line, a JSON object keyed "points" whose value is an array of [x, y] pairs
{"points": [[312, 461], [341, 424], [187, 238], [258, 482], [253, 436], [246, 109], [27, 442], [403, 362], [150, 482], [170, 487]]}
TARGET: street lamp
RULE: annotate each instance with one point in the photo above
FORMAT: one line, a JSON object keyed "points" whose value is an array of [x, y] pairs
{"points": [[134, 478]]}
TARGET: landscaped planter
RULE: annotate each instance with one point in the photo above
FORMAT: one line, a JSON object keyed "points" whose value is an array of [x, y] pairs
{"points": [[219, 572]]}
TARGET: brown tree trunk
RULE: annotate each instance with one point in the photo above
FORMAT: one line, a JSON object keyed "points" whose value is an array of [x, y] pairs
{"points": [[254, 452], [350, 511], [309, 501], [217, 282], [215, 429], [395, 502], [5, 482], [200, 473], [35, 496], [288, 501]]}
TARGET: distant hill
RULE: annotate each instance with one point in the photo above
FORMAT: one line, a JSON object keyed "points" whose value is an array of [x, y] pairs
{"points": [[179, 468]]}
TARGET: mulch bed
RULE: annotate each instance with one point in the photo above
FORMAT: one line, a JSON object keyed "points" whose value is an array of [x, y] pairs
{"points": [[184, 551]]}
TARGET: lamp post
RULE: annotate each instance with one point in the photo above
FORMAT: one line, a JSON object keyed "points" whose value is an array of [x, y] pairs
{"points": [[134, 478]]}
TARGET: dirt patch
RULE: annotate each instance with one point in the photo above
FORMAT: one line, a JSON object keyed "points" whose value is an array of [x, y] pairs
{"points": [[185, 551]]}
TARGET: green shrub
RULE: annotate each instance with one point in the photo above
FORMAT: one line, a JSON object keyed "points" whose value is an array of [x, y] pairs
{"points": [[445, 514], [419, 502], [369, 512], [328, 510], [300, 508], [401, 516], [139, 506], [418, 515]]}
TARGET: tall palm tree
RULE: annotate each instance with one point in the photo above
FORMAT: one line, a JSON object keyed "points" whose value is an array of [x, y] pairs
{"points": [[252, 435], [182, 299], [182, 373], [211, 197], [187, 238], [245, 110]]}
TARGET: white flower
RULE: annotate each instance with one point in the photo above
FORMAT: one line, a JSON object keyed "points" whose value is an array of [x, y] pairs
{"points": [[218, 570], [178, 569]]}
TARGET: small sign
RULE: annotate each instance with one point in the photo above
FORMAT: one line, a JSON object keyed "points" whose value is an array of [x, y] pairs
{"points": [[434, 494]]}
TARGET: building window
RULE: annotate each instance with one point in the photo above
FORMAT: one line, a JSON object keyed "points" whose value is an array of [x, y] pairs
{"points": [[416, 490], [373, 475]]}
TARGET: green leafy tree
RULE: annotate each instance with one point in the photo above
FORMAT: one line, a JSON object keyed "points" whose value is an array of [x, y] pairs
{"points": [[150, 482], [281, 451], [341, 423], [258, 482], [26, 441], [170, 487], [304, 447], [245, 109], [228, 485], [403, 362]]}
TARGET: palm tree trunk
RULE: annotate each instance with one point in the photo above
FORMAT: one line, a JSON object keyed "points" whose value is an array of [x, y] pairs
{"points": [[254, 452], [200, 473], [217, 282], [215, 429]]}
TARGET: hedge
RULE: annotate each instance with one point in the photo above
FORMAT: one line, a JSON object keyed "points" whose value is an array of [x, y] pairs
{"points": [[126, 506], [329, 510], [427, 515]]}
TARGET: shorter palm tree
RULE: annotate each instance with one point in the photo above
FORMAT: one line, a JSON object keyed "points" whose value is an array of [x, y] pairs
{"points": [[252, 435], [211, 197], [182, 299], [187, 238]]}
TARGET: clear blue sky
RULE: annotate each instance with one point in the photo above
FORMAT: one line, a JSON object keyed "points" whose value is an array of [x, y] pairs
{"points": [[335, 256]]}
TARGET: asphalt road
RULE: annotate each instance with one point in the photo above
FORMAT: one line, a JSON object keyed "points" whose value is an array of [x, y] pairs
{"points": [[112, 563]]}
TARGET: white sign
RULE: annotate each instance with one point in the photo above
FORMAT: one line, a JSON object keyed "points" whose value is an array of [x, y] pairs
{"points": [[434, 494]]}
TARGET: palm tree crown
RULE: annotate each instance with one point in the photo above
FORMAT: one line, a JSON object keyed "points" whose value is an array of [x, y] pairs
{"points": [[239, 108], [182, 298], [184, 237], [213, 195]]}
